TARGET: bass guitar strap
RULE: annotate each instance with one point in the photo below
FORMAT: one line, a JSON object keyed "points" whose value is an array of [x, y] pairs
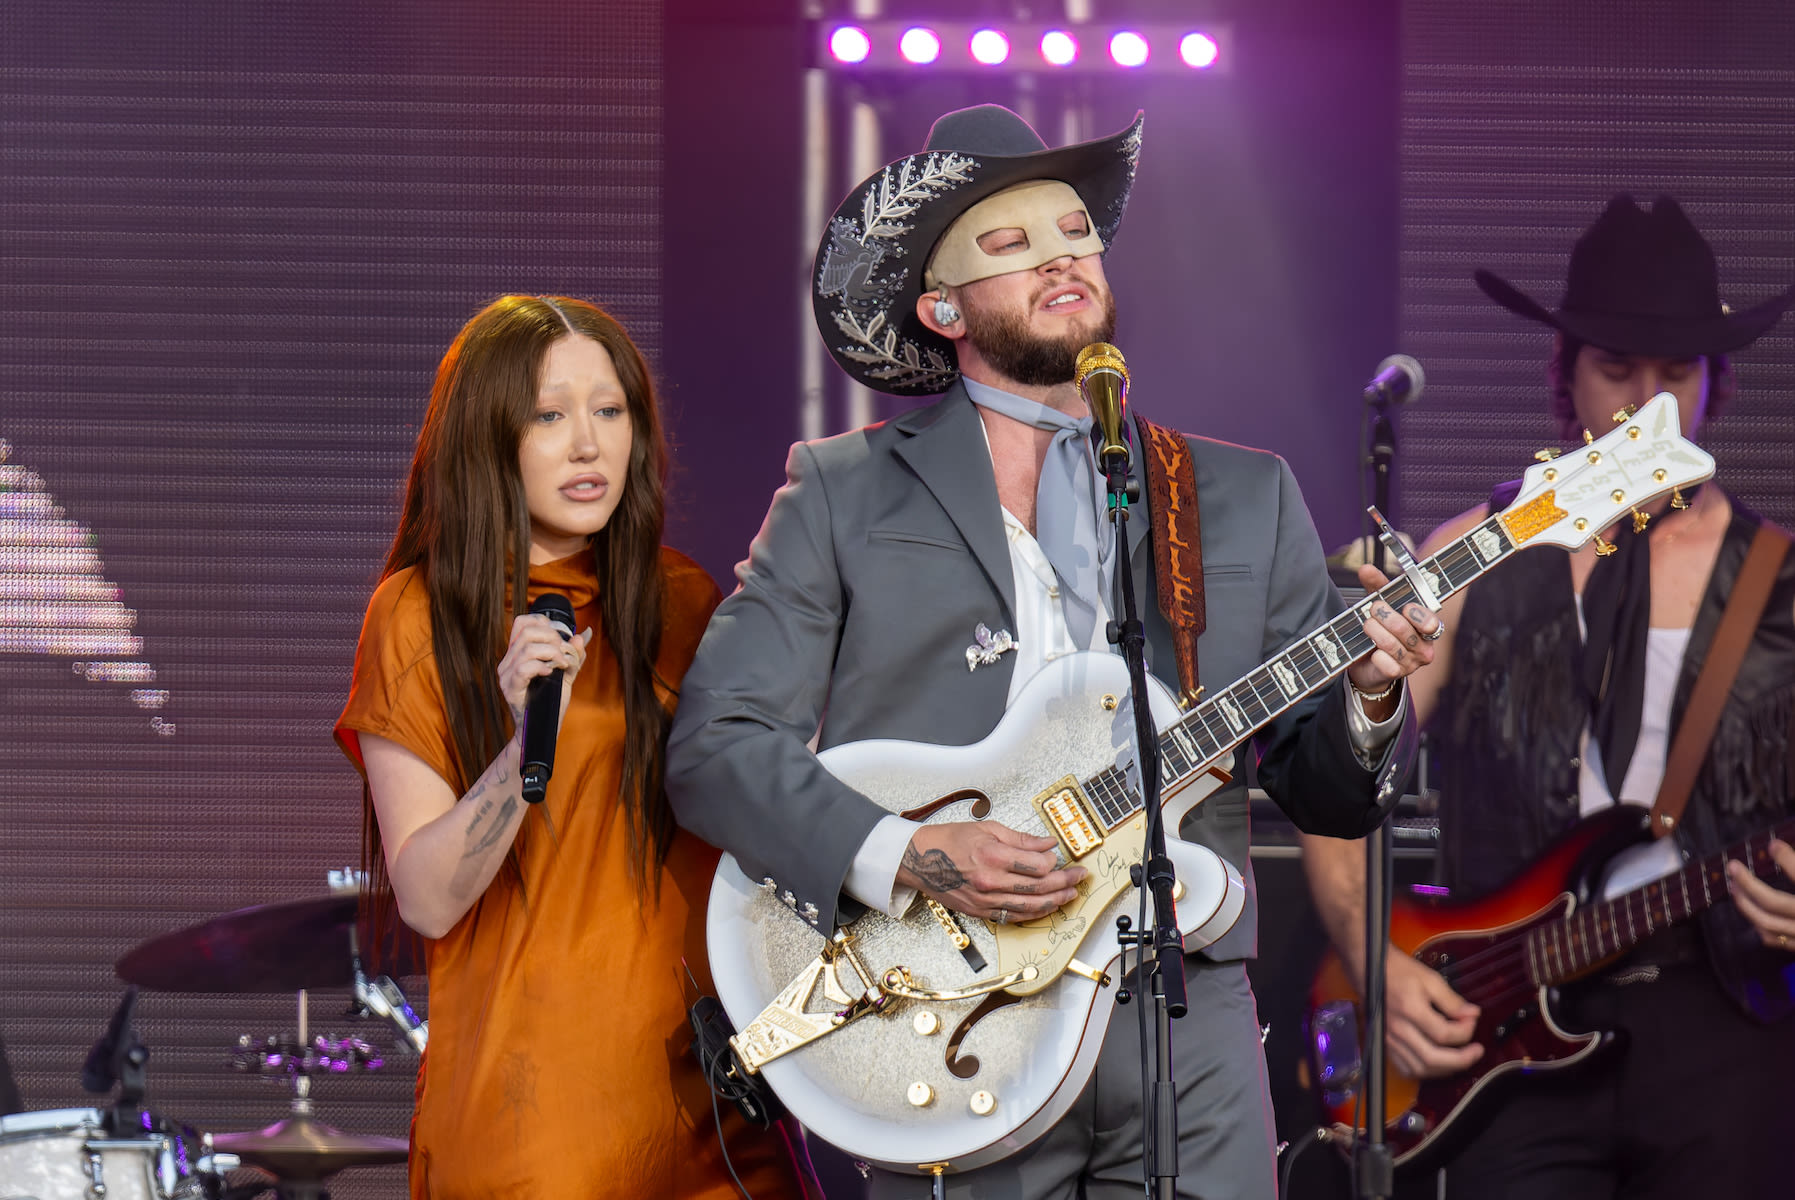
{"points": [[1739, 620], [1177, 544]]}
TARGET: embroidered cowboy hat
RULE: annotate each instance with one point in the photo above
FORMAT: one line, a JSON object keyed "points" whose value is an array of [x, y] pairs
{"points": [[869, 268], [1644, 281]]}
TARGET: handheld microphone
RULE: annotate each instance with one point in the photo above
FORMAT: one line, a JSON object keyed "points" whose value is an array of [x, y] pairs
{"points": [[1102, 379], [542, 707], [1399, 380]]}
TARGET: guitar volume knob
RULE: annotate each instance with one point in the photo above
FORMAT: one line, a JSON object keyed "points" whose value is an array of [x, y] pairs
{"points": [[983, 1104], [920, 1095]]}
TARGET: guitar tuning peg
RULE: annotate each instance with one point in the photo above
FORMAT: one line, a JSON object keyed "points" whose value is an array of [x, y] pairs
{"points": [[1677, 499], [1640, 520], [1546, 455], [1625, 413], [1604, 547], [1588, 437]]}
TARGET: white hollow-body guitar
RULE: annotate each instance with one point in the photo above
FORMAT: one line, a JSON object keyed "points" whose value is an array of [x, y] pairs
{"points": [[944, 1042]]}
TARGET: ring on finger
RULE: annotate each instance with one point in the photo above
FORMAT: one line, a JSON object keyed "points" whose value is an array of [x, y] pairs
{"points": [[1439, 631], [1782, 939], [1001, 917]]}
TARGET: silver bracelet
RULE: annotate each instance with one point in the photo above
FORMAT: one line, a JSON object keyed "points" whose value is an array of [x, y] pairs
{"points": [[1365, 695]]}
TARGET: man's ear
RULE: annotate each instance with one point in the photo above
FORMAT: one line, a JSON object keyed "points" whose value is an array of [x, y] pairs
{"points": [[940, 314]]}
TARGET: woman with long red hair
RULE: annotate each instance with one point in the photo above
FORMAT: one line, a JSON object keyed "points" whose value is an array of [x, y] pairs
{"points": [[558, 939]]}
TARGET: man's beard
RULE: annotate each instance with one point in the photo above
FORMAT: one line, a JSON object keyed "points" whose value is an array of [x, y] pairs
{"points": [[1004, 340]]}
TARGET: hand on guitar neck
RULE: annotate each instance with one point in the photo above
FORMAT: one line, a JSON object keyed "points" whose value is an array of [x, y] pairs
{"points": [[1770, 910], [988, 870]]}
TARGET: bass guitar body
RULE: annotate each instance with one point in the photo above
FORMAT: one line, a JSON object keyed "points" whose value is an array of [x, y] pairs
{"points": [[1485, 951]]}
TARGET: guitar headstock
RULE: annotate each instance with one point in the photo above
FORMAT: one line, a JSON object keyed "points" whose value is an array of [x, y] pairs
{"points": [[1570, 499]]}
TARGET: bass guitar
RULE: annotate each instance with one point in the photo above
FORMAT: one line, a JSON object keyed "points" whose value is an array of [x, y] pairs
{"points": [[943, 1042], [1560, 920]]}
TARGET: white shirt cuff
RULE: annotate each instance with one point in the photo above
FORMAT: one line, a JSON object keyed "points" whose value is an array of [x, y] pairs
{"points": [[1370, 738], [872, 879]]}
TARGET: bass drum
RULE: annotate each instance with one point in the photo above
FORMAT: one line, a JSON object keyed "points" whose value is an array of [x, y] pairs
{"points": [[66, 1154]]}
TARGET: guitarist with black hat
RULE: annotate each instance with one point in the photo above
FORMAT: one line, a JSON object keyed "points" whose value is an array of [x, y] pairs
{"points": [[1558, 692]]}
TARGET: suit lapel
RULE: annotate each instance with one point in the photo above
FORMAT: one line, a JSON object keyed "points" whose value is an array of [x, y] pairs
{"points": [[947, 450]]}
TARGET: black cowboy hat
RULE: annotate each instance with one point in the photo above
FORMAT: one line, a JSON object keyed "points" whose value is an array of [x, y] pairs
{"points": [[1644, 281], [868, 316]]}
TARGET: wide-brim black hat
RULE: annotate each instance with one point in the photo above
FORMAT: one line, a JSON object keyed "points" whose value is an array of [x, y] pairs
{"points": [[869, 268], [1644, 281]]}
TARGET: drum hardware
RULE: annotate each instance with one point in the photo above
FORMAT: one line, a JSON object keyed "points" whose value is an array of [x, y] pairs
{"points": [[288, 947]]}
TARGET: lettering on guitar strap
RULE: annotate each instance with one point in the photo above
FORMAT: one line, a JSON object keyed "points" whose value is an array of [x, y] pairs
{"points": [[1177, 543]]}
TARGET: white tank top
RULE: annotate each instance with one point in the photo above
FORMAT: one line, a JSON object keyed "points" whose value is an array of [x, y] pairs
{"points": [[1664, 649]]}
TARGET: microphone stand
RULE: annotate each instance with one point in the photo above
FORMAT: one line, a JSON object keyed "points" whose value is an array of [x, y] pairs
{"points": [[1166, 969], [1374, 1171]]}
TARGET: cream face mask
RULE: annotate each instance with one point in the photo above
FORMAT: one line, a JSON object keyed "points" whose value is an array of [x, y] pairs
{"points": [[1036, 208]]}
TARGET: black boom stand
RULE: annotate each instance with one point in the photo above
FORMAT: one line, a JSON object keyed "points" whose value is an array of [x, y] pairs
{"points": [[1374, 1172], [1165, 970]]}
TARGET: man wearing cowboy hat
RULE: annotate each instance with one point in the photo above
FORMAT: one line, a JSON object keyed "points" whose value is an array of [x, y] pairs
{"points": [[965, 533], [1559, 686]]}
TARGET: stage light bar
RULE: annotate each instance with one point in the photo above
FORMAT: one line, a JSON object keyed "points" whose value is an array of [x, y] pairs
{"points": [[896, 47]]}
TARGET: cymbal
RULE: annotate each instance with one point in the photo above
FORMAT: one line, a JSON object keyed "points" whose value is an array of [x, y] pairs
{"points": [[264, 948], [302, 1147]]}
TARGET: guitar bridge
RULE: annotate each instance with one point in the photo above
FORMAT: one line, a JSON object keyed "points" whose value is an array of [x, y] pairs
{"points": [[1068, 814]]}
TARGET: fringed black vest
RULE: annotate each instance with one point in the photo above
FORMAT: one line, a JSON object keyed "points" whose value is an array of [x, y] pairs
{"points": [[1511, 715]]}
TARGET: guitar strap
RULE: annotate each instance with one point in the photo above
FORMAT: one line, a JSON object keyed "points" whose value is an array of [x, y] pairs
{"points": [[1177, 543], [1751, 592]]}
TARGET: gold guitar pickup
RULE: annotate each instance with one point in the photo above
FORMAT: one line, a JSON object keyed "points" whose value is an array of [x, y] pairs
{"points": [[1068, 814]]}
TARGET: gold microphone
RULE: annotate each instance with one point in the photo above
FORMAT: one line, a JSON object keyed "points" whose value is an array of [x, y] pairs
{"points": [[1102, 379]]}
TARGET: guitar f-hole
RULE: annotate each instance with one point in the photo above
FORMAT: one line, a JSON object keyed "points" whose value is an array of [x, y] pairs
{"points": [[981, 805], [966, 1068]]}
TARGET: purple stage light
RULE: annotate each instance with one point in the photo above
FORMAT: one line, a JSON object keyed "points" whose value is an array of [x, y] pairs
{"points": [[1059, 47], [1198, 50], [850, 44], [989, 47], [1128, 48], [920, 45]]}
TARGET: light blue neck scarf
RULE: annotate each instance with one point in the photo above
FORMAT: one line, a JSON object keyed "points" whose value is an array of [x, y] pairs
{"points": [[1080, 548]]}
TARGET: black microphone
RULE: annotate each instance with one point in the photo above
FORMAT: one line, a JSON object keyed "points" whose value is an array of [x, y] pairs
{"points": [[542, 707], [101, 1070], [1102, 379], [1399, 380]]}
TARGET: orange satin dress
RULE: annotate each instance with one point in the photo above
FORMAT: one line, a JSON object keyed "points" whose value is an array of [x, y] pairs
{"points": [[558, 1063]]}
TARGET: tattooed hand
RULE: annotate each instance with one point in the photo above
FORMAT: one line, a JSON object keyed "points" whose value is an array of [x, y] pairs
{"points": [[988, 870], [1404, 644]]}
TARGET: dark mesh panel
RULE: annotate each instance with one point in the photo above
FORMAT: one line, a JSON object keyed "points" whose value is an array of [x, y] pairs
{"points": [[1502, 167]]}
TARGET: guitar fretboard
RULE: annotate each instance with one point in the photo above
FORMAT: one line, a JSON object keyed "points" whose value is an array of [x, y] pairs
{"points": [[1592, 936], [1221, 722]]}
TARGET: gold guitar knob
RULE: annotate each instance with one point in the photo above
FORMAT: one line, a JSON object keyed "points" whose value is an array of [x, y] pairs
{"points": [[983, 1104], [920, 1095]]}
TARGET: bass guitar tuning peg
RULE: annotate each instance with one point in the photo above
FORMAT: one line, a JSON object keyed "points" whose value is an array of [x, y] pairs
{"points": [[1604, 547]]}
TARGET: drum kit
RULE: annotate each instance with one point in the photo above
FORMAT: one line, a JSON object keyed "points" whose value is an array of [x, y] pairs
{"points": [[127, 1152]]}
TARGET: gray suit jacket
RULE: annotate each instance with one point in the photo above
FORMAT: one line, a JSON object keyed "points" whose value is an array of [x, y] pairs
{"points": [[878, 558]]}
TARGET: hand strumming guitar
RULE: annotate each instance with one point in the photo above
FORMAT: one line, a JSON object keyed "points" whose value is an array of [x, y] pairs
{"points": [[988, 870], [1428, 1023]]}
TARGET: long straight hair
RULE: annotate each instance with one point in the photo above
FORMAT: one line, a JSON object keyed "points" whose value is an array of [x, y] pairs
{"points": [[465, 525]]}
